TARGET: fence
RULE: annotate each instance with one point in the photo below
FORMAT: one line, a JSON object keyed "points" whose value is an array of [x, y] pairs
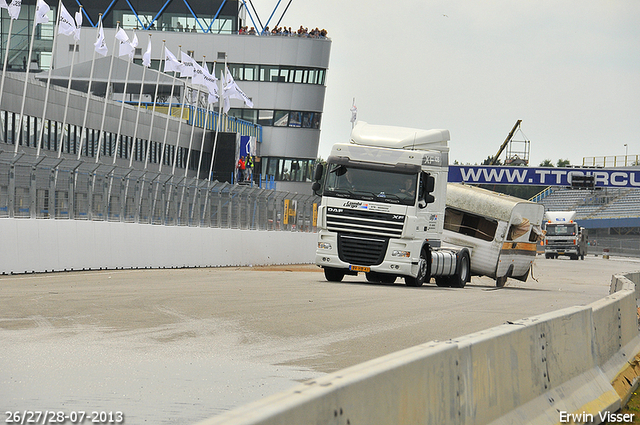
{"points": [[50, 188]]}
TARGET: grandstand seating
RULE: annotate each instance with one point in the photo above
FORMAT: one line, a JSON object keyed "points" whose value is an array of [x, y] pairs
{"points": [[595, 204]]}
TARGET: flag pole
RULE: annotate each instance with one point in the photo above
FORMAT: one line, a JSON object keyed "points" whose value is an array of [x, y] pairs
{"points": [[106, 94], [86, 104], [6, 58], [153, 114], [175, 154], [186, 168], [204, 125], [26, 83], [124, 95], [166, 126], [46, 93], [66, 102], [215, 138], [193, 125], [135, 128]]}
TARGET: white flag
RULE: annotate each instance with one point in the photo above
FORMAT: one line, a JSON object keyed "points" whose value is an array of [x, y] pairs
{"points": [[42, 9], [188, 65], [125, 45], [66, 24], [146, 58], [134, 44], [14, 8], [232, 91], [170, 62], [211, 83], [76, 34], [198, 74], [3, 4], [100, 45]]}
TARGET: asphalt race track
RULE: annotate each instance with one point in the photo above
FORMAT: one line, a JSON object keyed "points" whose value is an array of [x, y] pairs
{"points": [[178, 346]]}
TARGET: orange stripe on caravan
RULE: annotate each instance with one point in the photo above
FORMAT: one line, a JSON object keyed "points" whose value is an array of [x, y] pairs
{"points": [[520, 246]]}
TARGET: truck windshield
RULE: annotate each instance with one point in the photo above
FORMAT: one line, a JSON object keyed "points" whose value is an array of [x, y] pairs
{"points": [[561, 230], [371, 185]]}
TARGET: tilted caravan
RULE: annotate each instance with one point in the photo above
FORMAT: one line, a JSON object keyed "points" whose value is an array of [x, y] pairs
{"points": [[500, 231]]}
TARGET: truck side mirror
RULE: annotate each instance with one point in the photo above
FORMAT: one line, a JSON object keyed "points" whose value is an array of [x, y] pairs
{"points": [[317, 176], [428, 184], [318, 172]]}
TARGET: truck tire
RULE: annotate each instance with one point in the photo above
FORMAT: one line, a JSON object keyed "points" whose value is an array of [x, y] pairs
{"points": [[333, 275], [423, 270], [442, 282], [463, 270]]}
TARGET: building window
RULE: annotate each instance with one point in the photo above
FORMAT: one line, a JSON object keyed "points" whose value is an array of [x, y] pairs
{"points": [[265, 117], [281, 118], [288, 169]]}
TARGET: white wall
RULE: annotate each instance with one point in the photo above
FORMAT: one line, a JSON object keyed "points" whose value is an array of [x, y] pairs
{"points": [[46, 245]]}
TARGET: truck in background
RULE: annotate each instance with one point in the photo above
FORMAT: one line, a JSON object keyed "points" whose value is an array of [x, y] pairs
{"points": [[383, 209], [564, 236]]}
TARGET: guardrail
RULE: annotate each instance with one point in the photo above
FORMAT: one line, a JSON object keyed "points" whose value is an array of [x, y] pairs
{"points": [[578, 364], [52, 188]]}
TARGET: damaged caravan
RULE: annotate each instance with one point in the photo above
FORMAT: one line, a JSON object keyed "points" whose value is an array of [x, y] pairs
{"points": [[500, 231]]}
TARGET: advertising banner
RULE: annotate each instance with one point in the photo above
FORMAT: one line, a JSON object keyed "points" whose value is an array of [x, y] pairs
{"points": [[541, 176]]}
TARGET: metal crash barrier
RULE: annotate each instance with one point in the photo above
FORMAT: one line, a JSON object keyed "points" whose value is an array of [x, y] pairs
{"points": [[58, 188]]}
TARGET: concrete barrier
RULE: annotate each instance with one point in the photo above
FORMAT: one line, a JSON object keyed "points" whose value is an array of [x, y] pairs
{"points": [[55, 245], [572, 364]]}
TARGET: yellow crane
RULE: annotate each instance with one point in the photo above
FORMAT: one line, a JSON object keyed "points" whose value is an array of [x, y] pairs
{"points": [[494, 160]]}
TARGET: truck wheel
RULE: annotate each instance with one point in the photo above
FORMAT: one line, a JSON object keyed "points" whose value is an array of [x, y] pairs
{"points": [[463, 270], [423, 271], [333, 275], [442, 282]]}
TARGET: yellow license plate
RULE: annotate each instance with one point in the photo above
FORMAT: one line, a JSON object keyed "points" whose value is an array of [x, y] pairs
{"points": [[360, 269]]}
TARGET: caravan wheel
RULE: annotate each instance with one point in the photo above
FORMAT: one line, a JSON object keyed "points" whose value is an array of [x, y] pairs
{"points": [[500, 281]]}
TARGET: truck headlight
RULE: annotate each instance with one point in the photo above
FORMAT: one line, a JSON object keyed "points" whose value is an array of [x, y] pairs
{"points": [[324, 245], [399, 253]]}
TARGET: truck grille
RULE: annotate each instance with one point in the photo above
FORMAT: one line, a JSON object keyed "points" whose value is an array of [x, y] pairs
{"points": [[361, 249], [364, 222], [560, 242]]}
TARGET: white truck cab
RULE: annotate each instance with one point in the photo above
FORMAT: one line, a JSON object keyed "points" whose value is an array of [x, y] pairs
{"points": [[382, 211]]}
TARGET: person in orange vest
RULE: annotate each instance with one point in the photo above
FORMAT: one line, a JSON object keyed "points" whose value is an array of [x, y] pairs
{"points": [[241, 169]]}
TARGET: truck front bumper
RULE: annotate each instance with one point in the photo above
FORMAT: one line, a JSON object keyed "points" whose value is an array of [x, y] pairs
{"points": [[570, 250], [400, 259]]}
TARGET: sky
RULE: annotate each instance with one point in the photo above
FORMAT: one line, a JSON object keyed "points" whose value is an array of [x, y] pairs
{"points": [[570, 70]]}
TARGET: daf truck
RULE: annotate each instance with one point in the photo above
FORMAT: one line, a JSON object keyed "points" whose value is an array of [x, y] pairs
{"points": [[564, 236], [383, 206]]}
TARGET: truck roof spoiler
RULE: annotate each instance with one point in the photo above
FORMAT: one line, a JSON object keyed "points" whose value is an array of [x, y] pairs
{"points": [[398, 137]]}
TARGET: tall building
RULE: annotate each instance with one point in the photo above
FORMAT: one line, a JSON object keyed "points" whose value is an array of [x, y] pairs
{"points": [[284, 75]]}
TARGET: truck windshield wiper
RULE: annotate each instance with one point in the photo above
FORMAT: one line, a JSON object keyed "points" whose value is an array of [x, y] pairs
{"points": [[370, 195]]}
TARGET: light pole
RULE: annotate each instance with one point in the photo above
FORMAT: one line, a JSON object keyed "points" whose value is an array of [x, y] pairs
{"points": [[626, 152]]}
